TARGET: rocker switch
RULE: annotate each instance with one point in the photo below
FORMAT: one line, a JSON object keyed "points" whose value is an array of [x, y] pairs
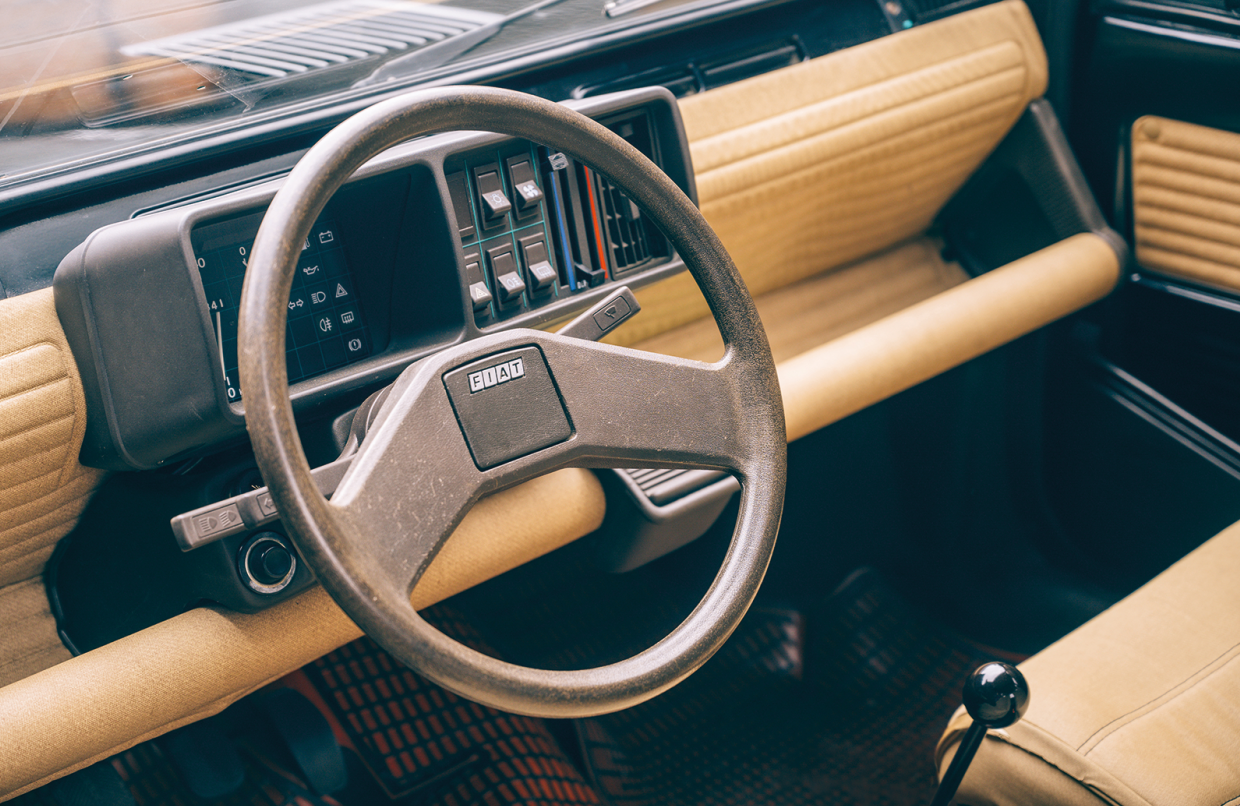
{"points": [[479, 291], [458, 190], [537, 262], [528, 193], [493, 202], [508, 282]]}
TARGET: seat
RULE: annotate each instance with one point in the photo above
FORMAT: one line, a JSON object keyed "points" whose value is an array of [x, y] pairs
{"points": [[1141, 705]]}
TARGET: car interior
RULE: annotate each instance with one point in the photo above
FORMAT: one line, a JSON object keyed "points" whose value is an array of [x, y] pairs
{"points": [[632, 402]]}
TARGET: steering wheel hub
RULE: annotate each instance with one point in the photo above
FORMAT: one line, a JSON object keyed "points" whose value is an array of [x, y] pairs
{"points": [[508, 406]]}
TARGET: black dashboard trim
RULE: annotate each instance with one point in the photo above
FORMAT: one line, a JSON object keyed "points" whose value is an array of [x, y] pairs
{"points": [[135, 312]]}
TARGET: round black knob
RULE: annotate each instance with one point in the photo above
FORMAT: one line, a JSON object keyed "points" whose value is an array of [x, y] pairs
{"points": [[270, 563], [996, 695], [267, 563]]}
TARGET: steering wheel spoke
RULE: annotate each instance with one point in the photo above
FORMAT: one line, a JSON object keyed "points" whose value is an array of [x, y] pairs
{"points": [[434, 449], [630, 407], [410, 484]]}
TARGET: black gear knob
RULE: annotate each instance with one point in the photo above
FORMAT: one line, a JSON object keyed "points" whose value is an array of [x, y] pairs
{"points": [[996, 695]]}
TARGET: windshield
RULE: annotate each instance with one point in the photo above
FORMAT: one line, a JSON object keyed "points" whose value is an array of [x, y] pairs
{"points": [[85, 80]]}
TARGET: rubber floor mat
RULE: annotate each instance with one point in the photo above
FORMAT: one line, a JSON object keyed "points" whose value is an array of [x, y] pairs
{"points": [[854, 721], [426, 745], [153, 782]]}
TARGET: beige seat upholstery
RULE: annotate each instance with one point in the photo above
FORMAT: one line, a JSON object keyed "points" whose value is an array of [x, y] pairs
{"points": [[1139, 706]]}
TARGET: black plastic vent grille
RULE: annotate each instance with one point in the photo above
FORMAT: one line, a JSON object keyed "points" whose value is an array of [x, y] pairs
{"points": [[626, 229], [648, 478], [316, 37], [928, 10], [694, 77]]}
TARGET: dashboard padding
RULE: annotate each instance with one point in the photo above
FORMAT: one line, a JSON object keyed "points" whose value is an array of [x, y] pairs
{"points": [[194, 665], [816, 165], [914, 317], [809, 313], [31, 643], [1186, 200], [874, 362], [43, 488]]}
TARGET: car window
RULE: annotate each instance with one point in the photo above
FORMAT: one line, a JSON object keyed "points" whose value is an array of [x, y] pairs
{"points": [[82, 81]]}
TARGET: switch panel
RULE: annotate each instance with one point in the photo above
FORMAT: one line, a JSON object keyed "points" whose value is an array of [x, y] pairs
{"points": [[536, 226]]}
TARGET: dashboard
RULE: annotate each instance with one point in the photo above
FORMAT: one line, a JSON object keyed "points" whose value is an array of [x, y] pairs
{"points": [[434, 242]]}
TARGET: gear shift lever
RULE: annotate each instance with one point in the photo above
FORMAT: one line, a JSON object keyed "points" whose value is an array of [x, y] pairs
{"points": [[996, 696]]}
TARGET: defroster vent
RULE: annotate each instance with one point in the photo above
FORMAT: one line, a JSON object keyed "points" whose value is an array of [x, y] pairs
{"points": [[316, 37]]}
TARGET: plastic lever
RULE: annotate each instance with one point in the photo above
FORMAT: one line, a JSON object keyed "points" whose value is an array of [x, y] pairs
{"points": [[246, 511], [617, 307], [996, 696]]}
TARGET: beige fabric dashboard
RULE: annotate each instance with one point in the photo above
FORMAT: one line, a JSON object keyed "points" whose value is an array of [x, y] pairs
{"points": [[801, 171], [43, 488], [819, 164], [1186, 200], [196, 664]]}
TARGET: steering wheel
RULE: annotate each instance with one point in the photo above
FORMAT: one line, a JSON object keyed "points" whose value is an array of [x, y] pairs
{"points": [[428, 457]]}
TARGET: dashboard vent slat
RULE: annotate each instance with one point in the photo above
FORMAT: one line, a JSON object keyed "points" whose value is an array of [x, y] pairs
{"points": [[317, 37], [751, 63], [694, 77]]}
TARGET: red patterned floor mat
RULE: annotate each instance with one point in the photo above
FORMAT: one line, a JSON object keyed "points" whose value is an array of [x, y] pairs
{"points": [[419, 739]]}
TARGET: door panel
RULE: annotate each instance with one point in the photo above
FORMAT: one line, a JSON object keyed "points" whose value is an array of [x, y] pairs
{"points": [[1186, 201], [1143, 463]]}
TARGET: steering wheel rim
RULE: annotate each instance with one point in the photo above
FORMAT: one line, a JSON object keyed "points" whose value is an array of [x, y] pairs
{"points": [[741, 393]]}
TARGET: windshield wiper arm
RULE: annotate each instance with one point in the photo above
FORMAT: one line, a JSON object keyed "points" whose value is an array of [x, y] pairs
{"points": [[444, 51], [614, 8]]}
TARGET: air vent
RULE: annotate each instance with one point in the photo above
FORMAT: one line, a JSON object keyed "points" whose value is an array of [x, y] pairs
{"points": [[922, 11], [316, 37], [632, 241], [694, 77], [754, 62], [626, 229]]}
